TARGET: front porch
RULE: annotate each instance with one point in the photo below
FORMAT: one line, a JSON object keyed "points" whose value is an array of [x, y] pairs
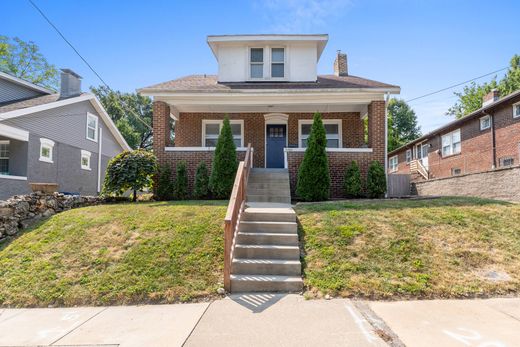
{"points": [[13, 160]]}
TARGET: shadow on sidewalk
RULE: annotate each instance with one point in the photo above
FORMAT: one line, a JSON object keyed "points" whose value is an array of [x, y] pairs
{"points": [[257, 302]]}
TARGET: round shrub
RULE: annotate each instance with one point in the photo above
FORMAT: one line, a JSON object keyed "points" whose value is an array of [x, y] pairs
{"points": [[376, 180], [352, 183]]}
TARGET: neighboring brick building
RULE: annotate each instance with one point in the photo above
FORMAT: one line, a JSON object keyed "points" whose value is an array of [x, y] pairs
{"points": [[485, 140], [269, 88]]}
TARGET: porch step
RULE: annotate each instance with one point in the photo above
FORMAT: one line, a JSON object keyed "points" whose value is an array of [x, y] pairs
{"points": [[256, 213], [286, 199], [270, 191], [266, 283], [268, 227], [246, 238], [251, 186], [267, 252], [267, 267]]}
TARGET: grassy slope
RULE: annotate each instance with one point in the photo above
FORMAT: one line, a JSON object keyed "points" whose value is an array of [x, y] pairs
{"points": [[116, 254], [429, 248]]}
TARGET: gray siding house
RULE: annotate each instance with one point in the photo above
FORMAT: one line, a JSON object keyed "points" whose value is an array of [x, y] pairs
{"points": [[46, 137]]}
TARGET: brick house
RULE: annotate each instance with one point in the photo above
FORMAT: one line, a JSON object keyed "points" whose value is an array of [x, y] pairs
{"points": [[485, 140], [269, 87]]}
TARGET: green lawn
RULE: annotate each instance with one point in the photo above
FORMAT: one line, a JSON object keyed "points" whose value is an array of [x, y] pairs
{"points": [[117, 254], [447, 247]]}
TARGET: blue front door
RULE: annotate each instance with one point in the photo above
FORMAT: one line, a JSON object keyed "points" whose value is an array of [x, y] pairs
{"points": [[276, 140]]}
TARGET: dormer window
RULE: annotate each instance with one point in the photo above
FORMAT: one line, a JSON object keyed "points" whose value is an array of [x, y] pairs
{"points": [[257, 62], [277, 62]]}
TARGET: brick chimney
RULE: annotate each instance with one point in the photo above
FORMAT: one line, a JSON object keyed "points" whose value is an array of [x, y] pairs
{"points": [[490, 97], [70, 83], [340, 64]]}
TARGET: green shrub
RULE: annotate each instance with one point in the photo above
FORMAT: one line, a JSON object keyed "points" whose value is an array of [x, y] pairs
{"points": [[164, 190], [352, 184], [129, 170], [181, 182], [376, 180], [313, 183], [225, 164], [201, 189]]}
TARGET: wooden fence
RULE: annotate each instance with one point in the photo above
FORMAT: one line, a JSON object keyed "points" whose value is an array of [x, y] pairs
{"points": [[398, 185]]}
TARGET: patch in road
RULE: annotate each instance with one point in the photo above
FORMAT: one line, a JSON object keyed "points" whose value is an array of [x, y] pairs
{"points": [[491, 323], [282, 320]]}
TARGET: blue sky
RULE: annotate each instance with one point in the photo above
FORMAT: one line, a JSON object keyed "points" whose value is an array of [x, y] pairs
{"points": [[420, 45]]}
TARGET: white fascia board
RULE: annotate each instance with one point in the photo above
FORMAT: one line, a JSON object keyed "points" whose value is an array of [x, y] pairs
{"points": [[14, 133], [24, 83]]}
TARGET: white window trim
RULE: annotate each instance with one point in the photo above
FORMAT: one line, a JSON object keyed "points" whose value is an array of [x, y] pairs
{"points": [[46, 143], [408, 160], [325, 121], [249, 63], [220, 122], [277, 62], [450, 134], [390, 165], [266, 72], [85, 154], [482, 119], [514, 107], [95, 139], [6, 142]]}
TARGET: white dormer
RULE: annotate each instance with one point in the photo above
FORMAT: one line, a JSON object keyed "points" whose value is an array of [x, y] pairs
{"points": [[261, 58]]}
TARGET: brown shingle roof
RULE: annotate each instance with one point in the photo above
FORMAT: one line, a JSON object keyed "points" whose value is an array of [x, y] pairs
{"points": [[209, 83], [37, 101]]}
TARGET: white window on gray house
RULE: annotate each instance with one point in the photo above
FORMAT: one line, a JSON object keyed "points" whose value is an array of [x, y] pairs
{"points": [[393, 163], [408, 155], [516, 110], [277, 62], [451, 143], [46, 150], [332, 132], [4, 157], [257, 62], [507, 161], [485, 122], [92, 127], [85, 160], [456, 171], [211, 130]]}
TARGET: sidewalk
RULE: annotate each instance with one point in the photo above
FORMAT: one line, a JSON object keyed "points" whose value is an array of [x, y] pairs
{"points": [[269, 320]]}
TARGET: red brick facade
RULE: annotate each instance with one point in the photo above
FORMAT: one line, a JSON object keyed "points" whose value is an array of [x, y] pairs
{"points": [[477, 149]]}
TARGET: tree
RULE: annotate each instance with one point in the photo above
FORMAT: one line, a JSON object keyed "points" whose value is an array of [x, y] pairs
{"points": [[313, 182], [132, 113], [201, 189], [376, 180], [225, 163], [402, 124], [470, 99], [130, 170], [181, 181], [24, 60], [165, 188], [352, 184]]}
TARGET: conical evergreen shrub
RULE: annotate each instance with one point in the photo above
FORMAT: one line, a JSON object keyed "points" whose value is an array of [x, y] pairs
{"points": [[225, 164], [201, 189], [376, 180], [181, 182], [165, 187], [313, 183], [352, 183]]}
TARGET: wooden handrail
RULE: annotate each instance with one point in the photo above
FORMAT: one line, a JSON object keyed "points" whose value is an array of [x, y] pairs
{"points": [[235, 208], [417, 166]]}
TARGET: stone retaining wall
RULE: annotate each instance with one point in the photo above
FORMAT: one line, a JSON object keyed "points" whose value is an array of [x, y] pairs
{"points": [[20, 211], [502, 184]]}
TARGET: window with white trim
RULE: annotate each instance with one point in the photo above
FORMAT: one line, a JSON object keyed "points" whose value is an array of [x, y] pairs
{"points": [[451, 143], [278, 62], [85, 159], [485, 122], [4, 157], [211, 131], [516, 110], [92, 127], [393, 163], [408, 155], [256, 62], [46, 150], [332, 132]]}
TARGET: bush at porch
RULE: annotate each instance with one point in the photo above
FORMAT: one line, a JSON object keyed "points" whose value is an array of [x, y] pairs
{"points": [[225, 163]]}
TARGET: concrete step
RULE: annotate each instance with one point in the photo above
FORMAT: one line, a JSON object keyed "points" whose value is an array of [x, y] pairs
{"points": [[267, 252], [269, 214], [268, 227], [268, 181], [245, 238], [278, 191], [285, 199], [267, 185], [266, 283], [266, 267]]}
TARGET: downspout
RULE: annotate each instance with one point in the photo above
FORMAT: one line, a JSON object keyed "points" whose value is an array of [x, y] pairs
{"points": [[100, 147], [387, 97]]}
